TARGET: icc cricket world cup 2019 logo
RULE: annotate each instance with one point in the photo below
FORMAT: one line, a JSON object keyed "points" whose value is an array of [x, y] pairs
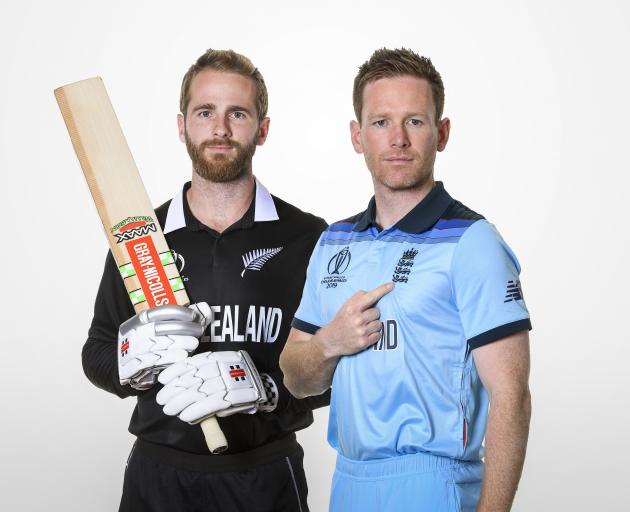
{"points": [[340, 261], [337, 265]]}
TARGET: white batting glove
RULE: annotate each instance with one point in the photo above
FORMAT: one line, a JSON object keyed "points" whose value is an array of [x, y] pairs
{"points": [[156, 338], [213, 383]]}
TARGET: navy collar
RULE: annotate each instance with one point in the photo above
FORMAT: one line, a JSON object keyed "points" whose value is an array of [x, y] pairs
{"points": [[422, 217]]}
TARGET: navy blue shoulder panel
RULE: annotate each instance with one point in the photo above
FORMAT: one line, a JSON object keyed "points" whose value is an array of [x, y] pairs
{"points": [[457, 210]]}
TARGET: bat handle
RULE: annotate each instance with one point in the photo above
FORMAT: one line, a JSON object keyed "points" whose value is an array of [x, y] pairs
{"points": [[215, 439]]}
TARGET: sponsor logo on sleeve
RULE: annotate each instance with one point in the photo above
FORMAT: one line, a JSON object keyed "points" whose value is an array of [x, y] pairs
{"points": [[514, 291]]}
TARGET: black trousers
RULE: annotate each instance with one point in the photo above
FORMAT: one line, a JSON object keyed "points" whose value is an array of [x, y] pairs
{"points": [[268, 479]]}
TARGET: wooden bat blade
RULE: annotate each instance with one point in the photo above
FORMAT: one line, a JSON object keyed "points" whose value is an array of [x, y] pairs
{"points": [[144, 260], [134, 235]]}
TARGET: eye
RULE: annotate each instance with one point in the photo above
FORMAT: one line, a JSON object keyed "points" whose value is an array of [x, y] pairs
{"points": [[237, 114], [380, 123], [415, 122], [204, 113]]}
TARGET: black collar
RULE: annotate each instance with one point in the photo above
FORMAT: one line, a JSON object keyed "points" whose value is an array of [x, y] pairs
{"points": [[421, 218]]}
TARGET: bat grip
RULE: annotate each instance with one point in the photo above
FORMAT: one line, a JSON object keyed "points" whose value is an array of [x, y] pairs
{"points": [[215, 439]]}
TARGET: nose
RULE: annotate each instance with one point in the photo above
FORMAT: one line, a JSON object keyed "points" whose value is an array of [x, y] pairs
{"points": [[221, 127], [399, 137]]}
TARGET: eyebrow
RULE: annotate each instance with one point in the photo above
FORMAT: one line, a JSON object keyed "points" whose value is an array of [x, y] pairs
{"points": [[379, 115], [213, 107]]}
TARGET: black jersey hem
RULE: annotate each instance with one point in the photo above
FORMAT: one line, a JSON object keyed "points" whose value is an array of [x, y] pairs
{"points": [[220, 463], [304, 326], [499, 332]]}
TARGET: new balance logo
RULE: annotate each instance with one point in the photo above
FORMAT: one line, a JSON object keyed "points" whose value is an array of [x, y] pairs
{"points": [[514, 291], [237, 373]]}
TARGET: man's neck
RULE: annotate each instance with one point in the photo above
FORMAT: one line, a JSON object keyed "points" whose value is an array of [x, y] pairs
{"points": [[219, 205], [393, 205]]}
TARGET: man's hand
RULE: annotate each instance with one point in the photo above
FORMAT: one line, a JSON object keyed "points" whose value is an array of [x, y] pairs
{"points": [[309, 361], [212, 383], [156, 338], [356, 325]]}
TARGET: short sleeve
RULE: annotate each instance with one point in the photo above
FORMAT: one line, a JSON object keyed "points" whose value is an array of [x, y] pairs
{"points": [[486, 286], [308, 317]]}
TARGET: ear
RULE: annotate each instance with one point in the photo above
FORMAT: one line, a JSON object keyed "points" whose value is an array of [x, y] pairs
{"points": [[263, 131], [355, 136], [181, 126], [444, 130]]}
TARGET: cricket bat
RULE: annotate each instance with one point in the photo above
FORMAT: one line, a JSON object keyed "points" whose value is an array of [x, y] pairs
{"points": [[144, 260]]}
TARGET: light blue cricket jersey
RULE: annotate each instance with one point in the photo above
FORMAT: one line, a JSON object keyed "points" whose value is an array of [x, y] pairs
{"points": [[457, 288]]}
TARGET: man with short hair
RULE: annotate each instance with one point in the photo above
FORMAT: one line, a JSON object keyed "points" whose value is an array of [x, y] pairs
{"points": [[242, 254], [441, 335]]}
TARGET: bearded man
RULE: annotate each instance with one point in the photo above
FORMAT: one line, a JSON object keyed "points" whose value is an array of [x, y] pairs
{"points": [[242, 254]]}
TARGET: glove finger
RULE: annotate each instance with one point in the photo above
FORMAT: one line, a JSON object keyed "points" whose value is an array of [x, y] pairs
{"points": [[182, 400], [175, 387], [203, 408], [168, 312], [209, 371], [175, 370], [172, 355], [146, 360], [213, 386], [203, 311], [203, 358], [188, 343], [180, 328]]}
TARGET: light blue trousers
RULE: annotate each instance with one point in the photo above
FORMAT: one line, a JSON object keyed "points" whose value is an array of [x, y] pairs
{"points": [[417, 482]]}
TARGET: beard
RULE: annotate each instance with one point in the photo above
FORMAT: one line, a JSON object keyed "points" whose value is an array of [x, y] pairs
{"points": [[220, 168]]}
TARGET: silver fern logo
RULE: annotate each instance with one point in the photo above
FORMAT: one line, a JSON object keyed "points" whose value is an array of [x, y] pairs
{"points": [[254, 260]]}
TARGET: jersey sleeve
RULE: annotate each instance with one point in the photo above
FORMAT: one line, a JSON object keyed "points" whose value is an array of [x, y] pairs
{"points": [[112, 307], [308, 317], [486, 286]]}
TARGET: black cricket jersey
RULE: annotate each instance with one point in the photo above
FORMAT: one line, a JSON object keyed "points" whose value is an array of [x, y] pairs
{"points": [[252, 276]]}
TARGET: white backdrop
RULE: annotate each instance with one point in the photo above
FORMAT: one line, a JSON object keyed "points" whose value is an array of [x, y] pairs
{"points": [[537, 93]]}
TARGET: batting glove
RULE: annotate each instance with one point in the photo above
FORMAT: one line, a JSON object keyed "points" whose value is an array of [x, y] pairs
{"points": [[215, 383], [157, 337]]}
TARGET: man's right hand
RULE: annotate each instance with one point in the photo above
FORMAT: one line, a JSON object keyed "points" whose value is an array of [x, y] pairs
{"points": [[156, 338], [356, 325]]}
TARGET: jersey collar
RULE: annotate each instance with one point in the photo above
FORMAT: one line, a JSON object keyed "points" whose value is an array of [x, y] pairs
{"points": [[421, 218], [264, 209]]}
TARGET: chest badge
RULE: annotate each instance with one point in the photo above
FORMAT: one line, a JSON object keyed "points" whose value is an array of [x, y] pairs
{"points": [[254, 260], [403, 267]]}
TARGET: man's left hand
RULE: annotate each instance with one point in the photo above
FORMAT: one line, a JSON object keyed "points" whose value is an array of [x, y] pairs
{"points": [[212, 383]]}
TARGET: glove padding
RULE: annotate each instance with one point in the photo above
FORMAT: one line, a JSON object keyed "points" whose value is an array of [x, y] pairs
{"points": [[156, 338], [212, 383]]}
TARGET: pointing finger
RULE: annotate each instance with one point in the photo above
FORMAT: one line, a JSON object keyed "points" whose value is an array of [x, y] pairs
{"points": [[372, 297]]}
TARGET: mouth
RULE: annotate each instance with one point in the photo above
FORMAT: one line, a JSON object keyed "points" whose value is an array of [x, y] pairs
{"points": [[398, 159], [220, 147]]}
